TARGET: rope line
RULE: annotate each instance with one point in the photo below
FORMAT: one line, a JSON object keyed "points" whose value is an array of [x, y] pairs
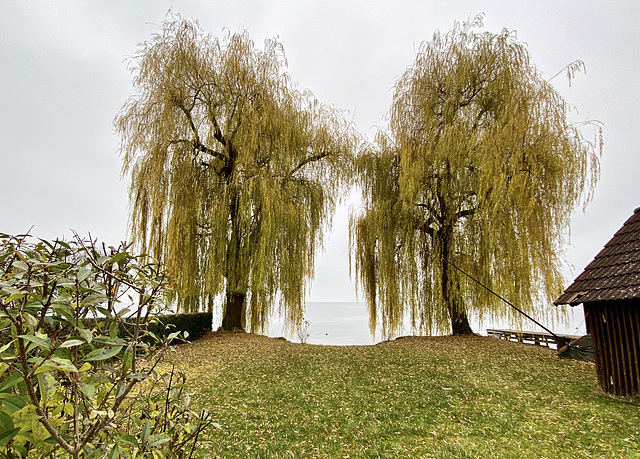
{"points": [[512, 305]]}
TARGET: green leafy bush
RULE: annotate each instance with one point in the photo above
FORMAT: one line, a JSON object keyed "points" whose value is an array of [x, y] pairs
{"points": [[79, 368]]}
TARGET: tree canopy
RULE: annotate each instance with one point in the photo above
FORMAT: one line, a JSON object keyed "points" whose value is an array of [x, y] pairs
{"points": [[480, 171], [235, 173]]}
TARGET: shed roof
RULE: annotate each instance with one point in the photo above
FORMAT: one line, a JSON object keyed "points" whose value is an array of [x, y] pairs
{"points": [[614, 274]]}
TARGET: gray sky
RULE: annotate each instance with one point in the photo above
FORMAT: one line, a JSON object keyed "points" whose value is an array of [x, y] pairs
{"points": [[63, 78]]}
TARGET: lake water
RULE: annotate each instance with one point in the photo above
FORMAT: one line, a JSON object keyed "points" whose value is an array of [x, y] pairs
{"points": [[333, 323], [338, 323]]}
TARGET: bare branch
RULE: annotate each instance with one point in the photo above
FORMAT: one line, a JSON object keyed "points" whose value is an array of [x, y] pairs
{"points": [[307, 160]]}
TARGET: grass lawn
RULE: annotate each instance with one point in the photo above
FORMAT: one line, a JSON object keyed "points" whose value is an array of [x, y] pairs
{"points": [[442, 397]]}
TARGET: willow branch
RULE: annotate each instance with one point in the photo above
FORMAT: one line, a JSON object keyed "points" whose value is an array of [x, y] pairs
{"points": [[201, 148], [466, 213], [197, 143], [307, 160]]}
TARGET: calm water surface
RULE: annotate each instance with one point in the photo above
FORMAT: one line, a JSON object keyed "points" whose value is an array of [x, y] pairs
{"points": [[342, 324]]}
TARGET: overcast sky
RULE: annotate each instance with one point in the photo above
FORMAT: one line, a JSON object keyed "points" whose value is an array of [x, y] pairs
{"points": [[63, 78]]}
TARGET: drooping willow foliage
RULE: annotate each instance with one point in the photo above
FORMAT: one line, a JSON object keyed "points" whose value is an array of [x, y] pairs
{"points": [[480, 171], [234, 172]]}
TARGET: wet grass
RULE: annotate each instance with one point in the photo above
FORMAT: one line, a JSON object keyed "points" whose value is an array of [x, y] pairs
{"points": [[444, 397]]}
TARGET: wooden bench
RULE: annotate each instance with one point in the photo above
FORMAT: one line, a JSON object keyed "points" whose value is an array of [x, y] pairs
{"points": [[531, 337]]}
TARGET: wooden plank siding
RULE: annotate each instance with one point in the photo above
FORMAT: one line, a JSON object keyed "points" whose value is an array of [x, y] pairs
{"points": [[609, 288], [615, 331]]}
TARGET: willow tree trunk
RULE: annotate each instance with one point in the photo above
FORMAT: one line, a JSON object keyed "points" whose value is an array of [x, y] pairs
{"points": [[233, 317], [459, 321], [234, 308], [451, 291]]}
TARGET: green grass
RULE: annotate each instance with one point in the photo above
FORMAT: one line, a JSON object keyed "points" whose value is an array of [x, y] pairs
{"points": [[445, 397]]}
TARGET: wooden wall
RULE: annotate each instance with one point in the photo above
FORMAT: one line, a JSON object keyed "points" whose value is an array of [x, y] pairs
{"points": [[615, 330]]}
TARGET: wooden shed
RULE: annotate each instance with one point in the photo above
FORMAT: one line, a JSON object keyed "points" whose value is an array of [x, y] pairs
{"points": [[609, 290]]}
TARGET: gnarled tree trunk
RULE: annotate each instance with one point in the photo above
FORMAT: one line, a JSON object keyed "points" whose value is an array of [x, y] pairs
{"points": [[233, 312], [451, 291], [233, 317]]}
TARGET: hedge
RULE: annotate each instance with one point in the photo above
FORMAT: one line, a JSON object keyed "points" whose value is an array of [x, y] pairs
{"points": [[195, 324]]}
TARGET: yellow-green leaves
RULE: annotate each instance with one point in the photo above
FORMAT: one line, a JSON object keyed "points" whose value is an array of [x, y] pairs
{"points": [[235, 173], [53, 364], [480, 169], [40, 339]]}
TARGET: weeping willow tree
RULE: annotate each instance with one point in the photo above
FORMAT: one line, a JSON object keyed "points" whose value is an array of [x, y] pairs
{"points": [[234, 172], [480, 172]]}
